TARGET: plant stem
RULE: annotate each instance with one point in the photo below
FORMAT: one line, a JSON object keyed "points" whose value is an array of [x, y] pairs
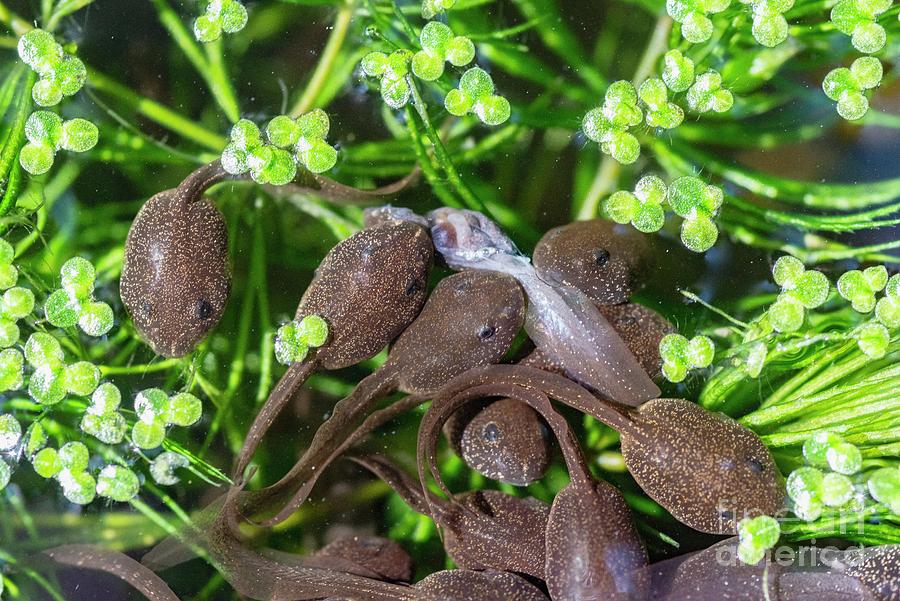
{"points": [[441, 154], [608, 172], [17, 24], [156, 112], [209, 67], [332, 47]]}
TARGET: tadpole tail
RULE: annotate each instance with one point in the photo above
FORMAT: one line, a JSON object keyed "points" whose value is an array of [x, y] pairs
{"points": [[92, 557], [334, 191], [402, 483], [294, 487], [289, 383], [199, 180]]}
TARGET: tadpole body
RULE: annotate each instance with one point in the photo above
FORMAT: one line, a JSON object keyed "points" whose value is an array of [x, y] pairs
{"points": [[469, 320], [592, 550], [640, 327], [507, 441], [603, 260], [370, 556], [482, 529], [562, 321], [368, 288], [176, 276], [704, 467], [469, 585]]}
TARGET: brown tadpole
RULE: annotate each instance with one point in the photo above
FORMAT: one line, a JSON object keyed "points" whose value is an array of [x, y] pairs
{"points": [[370, 556], [482, 530], [470, 320], [604, 260], [507, 441], [368, 288], [176, 276], [469, 585], [707, 470], [592, 550]]}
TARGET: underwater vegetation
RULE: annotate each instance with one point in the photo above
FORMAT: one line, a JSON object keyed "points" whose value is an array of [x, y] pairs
{"points": [[453, 299]]}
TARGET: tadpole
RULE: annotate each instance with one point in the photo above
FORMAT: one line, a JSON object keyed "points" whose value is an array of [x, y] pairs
{"points": [[592, 550], [507, 441], [175, 277], [562, 321], [470, 320], [482, 529], [703, 467], [368, 288], [602, 259], [370, 556]]}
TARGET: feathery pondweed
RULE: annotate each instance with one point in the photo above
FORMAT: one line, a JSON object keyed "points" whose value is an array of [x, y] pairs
{"points": [[767, 125]]}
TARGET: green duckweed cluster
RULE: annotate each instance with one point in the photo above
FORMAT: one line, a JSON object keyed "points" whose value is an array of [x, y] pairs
{"points": [[58, 389], [289, 143], [689, 197], [61, 75]]}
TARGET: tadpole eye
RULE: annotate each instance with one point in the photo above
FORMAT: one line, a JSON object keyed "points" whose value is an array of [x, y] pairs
{"points": [[626, 320], [147, 309], [413, 287], [490, 432], [755, 465], [204, 309], [601, 256], [486, 332]]}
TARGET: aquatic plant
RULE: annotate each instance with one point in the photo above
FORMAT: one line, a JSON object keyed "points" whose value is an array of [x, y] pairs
{"points": [[680, 121]]}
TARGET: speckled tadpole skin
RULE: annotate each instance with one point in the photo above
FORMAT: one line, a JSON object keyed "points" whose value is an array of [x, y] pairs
{"points": [[562, 321], [600, 258], [506, 441], [468, 585], [369, 288], [704, 467], [370, 556], [176, 277]]}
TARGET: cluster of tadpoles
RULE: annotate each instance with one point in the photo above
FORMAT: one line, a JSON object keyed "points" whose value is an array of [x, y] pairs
{"points": [[593, 351]]}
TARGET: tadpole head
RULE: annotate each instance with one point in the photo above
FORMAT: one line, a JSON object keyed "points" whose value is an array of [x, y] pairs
{"points": [[705, 468], [642, 329], [176, 278], [507, 441], [465, 239], [600, 258], [369, 288], [470, 319]]}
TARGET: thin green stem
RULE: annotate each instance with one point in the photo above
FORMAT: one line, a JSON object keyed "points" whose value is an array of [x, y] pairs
{"points": [[323, 69], [209, 65], [440, 152], [156, 112], [17, 24], [608, 172]]}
